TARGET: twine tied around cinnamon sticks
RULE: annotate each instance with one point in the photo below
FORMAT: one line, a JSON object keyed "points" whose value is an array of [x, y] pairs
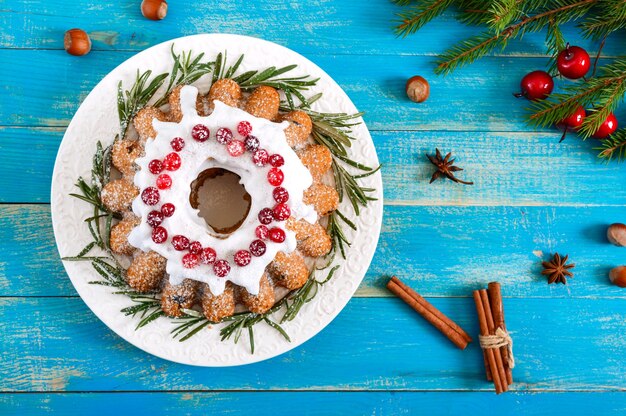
{"points": [[500, 339]]}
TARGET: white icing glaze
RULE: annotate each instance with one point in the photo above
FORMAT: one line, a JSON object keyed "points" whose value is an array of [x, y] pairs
{"points": [[198, 156]]}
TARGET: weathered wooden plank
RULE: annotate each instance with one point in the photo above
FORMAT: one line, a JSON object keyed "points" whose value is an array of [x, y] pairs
{"points": [[507, 168], [56, 344], [349, 26], [477, 98], [441, 251], [315, 403]]}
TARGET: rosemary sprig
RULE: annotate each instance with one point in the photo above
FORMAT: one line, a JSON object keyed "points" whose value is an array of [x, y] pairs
{"points": [[291, 86], [186, 70], [130, 101]]}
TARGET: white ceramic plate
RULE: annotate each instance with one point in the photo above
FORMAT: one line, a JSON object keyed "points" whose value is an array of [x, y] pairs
{"points": [[97, 119]]}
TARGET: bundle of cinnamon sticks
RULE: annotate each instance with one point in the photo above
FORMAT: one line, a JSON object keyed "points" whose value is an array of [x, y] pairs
{"points": [[490, 318]]}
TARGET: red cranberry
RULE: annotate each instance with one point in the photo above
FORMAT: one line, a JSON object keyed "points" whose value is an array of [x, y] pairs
{"points": [[200, 132], [261, 232], [266, 215], [277, 235], [242, 258], [177, 143], [281, 212], [607, 128], [536, 85], [573, 62], [280, 195], [164, 181], [155, 166], [172, 162], [180, 242], [221, 268], [575, 120], [244, 128], [190, 261], [224, 135], [195, 247], [150, 196], [277, 161], [252, 143], [257, 248], [236, 148], [159, 235], [208, 255], [275, 176], [168, 209], [154, 218], [260, 157]]}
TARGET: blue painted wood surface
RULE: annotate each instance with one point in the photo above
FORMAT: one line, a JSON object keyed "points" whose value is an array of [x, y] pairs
{"points": [[532, 197]]}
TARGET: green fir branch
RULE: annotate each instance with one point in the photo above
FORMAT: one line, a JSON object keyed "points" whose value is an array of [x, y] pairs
{"points": [[423, 12], [613, 146], [129, 102]]}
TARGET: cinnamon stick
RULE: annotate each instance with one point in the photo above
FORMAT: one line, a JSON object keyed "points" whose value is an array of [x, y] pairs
{"points": [[492, 331], [432, 309], [444, 324], [495, 299], [484, 330]]}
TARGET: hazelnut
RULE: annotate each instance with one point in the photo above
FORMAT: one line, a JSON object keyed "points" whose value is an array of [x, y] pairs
{"points": [[417, 89], [616, 233], [76, 42], [618, 276], [154, 9]]}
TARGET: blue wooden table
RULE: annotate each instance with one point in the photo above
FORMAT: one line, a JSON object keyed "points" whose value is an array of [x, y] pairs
{"points": [[532, 197]]}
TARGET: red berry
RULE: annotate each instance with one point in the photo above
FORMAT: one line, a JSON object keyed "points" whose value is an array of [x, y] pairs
{"points": [[575, 120], [573, 62], [159, 235], [275, 176], [155, 166], [257, 248], [221, 268], [236, 148], [261, 232], [607, 128], [536, 85], [242, 258], [281, 212], [224, 135], [150, 196], [252, 143], [208, 255], [177, 143], [277, 235], [164, 181], [195, 247], [168, 209], [280, 195], [260, 157], [154, 218], [180, 242], [190, 261], [172, 162], [266, 215], [277, 161], [200, 132], [244, 128]]}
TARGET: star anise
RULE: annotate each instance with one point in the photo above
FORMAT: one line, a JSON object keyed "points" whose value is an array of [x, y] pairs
{"points": [[445, 168], [557, 269]]}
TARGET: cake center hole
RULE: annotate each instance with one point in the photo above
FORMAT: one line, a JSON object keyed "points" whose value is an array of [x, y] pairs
{"points": [[223, 202]]}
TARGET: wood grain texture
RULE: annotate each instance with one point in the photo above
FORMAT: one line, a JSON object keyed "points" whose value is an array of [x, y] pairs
{"points": [[507, 168], [439, 251], [476, 98], [57, 344], [349, 26], [317, 403]]}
